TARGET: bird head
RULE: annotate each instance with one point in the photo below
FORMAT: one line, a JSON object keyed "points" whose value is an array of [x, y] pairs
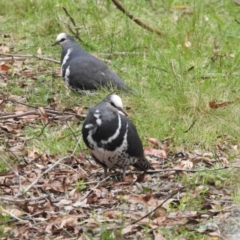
{"points": [[62, 39], [115, 103]]}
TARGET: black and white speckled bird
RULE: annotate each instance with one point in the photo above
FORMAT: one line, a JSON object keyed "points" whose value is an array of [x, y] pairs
{"points": [[82, 71], [111, 137]]}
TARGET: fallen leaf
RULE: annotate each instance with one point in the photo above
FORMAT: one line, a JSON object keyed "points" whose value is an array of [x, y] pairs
{"points": [[4, 67], [154, 141], [160, 212], [155, 152], [4, 49], [214, 104], [39, 51], [185, 165]]}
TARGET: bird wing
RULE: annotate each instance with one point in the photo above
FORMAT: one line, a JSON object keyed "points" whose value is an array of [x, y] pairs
{"points": [[88, 72], [135, 147]]}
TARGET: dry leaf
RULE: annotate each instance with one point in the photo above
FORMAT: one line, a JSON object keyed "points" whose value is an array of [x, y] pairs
{"points": [[185, 165], [43, 114], [155, 152], [154, 141], [39, 51], [4, 67]]}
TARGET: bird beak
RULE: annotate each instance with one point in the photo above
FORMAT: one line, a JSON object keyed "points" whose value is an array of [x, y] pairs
{"points": [[122, 112], [55, 43]]}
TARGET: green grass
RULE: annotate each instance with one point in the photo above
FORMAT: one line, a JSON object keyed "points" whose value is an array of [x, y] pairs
{"points": [[175, 83], [159, 72]]}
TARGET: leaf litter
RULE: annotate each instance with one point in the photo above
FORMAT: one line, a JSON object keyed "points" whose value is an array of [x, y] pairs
{"points": [[64, 197]]}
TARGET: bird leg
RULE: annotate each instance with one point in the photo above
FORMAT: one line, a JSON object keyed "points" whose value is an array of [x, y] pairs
{"points": [[105, 172], [124, 172]]}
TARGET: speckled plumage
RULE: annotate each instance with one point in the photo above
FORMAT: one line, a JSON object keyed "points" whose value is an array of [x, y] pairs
{"points": [[111, 137], [82, 71]]}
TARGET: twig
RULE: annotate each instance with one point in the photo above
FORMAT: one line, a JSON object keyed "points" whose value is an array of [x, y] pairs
{"points": [[16, 173], [19, 115], [41, 175], [77, 144], [76, 34], [136, 20], [8, 59], [171, 195], [42, 130], [12, 215], [21, 103], [28, 217], [46, 171], [92, 189], [237, 21], [12, 199], [120, 53], [71, 131], [32, 112], [68, 25], [86, 183], [188, 170], [13, 56], [190, 126]]}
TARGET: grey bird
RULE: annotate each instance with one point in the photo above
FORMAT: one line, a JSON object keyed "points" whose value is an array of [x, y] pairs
{"points": [[82, 71], [111, 137]]}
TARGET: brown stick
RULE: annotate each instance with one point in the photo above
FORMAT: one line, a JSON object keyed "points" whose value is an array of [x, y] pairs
{"points": [[76, 32], [22, 57], [47, 170], [170, 196], [33, 112], [136, 20]]}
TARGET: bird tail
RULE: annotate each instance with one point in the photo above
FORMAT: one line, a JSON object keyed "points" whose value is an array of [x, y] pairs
{"points": [[143, 164]]}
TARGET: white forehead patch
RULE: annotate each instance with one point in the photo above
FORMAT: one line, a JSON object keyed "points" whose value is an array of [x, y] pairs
{"points": [[61, 36], [116, 100]]}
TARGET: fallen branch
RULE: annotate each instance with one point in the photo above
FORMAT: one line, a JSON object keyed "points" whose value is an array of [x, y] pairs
{"points": [[13, 216], [173, 170], [16, 57], [24, 200], [46, 171], [4, 117], [50, 112], [41, 175], [8, 59], [170, 196], [136, 20], [88, 193]]}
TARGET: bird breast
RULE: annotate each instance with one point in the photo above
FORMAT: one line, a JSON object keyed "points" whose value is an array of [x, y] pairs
{"points": [[118, 158], [64, 61], [111, 151]]}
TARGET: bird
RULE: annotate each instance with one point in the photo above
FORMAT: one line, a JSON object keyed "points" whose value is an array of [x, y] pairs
{"points": [[112, 138], [83, 72]]}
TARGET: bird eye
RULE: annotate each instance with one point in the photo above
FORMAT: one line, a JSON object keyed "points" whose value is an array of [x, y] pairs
{"points": [[62, 40], [113, 104]]}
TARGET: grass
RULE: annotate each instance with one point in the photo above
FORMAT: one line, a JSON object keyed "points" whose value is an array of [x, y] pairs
{"points": [[160, 73], [175, 82]]}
